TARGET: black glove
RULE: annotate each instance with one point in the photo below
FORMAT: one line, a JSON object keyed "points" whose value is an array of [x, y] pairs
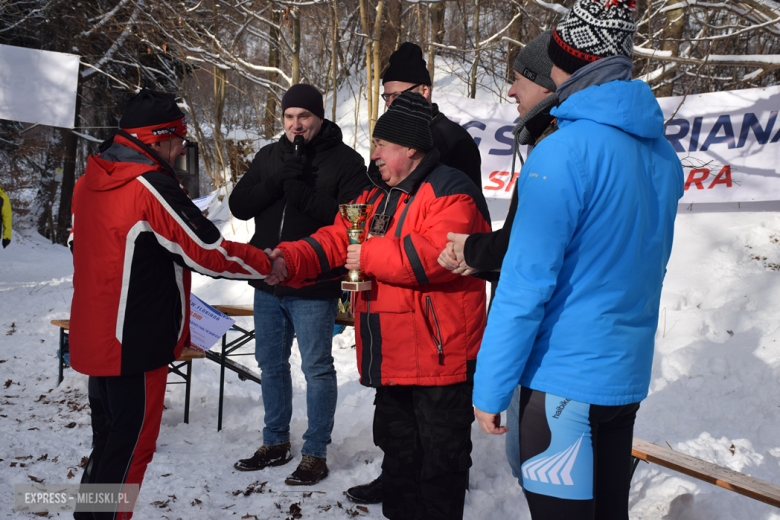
{"points": [[291, 170], [6, 241]]}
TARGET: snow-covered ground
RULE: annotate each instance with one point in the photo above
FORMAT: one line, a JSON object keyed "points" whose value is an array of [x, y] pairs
{"points": [[714, 394]]}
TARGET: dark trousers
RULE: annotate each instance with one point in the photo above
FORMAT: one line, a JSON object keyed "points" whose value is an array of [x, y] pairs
{"points": [[425, 434], [125, 444]]}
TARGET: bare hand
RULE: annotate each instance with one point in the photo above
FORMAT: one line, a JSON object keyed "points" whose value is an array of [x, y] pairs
{"points": [[353, 257], [489, 422], [278, 272], [465, 270], [447, 257], [459, 243]]}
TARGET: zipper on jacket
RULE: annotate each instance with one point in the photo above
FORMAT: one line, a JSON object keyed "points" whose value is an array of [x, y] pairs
{"points": [[370, 335], [281, 224], [439, 345]]}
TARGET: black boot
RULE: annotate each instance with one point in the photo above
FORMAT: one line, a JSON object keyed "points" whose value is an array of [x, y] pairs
{"points": [[266, 456], [370, 493], [310, 471]]}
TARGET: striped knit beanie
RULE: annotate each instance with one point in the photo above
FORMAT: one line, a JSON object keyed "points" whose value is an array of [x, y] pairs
{"points": [[592, 30], [407, 122]]}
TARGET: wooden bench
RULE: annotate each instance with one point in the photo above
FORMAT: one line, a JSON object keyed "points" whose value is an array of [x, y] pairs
{"points": [[708, 472], [185, 359]]}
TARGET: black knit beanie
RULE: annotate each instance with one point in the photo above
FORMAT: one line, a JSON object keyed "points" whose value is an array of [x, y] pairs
{"points": [[533, 63], [592, 30], [306, 97], [152, 115], [407, 65], [407, 122]]}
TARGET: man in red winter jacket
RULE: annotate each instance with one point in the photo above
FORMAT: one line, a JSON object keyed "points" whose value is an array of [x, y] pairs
{"points": [[419, 327], [137, 237]]}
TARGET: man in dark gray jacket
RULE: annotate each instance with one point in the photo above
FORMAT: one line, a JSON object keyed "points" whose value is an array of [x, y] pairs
{"points": [[292, 188]]}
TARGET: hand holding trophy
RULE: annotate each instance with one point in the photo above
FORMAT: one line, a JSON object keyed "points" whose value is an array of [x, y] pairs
{"points": [[356, 214]]}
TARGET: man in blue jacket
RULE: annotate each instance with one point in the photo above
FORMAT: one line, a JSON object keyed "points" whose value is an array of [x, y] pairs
{"points": [[575, 315]]}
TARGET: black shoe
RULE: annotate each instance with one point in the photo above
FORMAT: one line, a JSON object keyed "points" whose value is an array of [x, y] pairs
{"points": [[310, 471], [370, 493], [266, 456]]}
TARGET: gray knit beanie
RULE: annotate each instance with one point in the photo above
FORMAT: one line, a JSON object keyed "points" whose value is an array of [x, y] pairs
{"points": [[407, 122], [534, 63]]}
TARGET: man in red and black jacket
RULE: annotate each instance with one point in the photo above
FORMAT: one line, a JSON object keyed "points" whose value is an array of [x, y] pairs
{"points": [[136, 238], [419, 327]]}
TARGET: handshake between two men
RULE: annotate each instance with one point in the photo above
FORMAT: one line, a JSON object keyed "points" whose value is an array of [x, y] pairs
{"points": [[451, 258]]}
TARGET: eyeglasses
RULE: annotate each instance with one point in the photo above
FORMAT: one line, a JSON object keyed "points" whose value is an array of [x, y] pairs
{"points": [[186, 142], [391, 97]]}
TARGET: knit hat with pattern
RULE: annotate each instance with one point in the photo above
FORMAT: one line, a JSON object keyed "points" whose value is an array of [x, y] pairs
{"points": [[592, 30], [533, 63], [407, 122]]}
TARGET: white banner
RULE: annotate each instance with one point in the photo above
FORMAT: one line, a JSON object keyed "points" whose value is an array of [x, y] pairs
{"points": [[728, 142], [38, 86]]}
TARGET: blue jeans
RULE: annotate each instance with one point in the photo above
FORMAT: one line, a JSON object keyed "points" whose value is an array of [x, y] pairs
{"points": [[277, 319], [513, 436]]}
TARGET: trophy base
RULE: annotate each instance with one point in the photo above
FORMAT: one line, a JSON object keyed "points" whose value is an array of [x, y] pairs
{"points": [[356, 286]]}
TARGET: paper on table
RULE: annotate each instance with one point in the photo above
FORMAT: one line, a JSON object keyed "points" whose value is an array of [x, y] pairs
{"points": [[207, 324]]}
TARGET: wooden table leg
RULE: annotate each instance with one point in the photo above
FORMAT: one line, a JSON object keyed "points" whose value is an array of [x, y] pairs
{"points": [[62, 354]]}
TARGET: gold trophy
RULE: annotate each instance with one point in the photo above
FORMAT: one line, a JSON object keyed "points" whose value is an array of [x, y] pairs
{"points": [[356, 214]]}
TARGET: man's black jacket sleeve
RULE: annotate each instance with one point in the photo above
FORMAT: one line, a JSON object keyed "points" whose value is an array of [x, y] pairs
{"points": [[253, 194], [486, 251]]}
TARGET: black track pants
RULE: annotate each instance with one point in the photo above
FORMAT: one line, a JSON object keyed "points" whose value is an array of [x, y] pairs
{"points": [[425, 434]]}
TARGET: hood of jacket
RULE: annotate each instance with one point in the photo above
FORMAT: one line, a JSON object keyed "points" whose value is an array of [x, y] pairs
{"points": [[116, 166], [627, 105]]}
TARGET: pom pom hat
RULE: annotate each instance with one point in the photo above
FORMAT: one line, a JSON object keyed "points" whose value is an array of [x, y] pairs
{"points": [[592, 30], [152, 116]]}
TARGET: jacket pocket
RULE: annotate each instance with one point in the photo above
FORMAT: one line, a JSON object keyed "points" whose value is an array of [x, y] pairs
{"points": [[433, 328]]}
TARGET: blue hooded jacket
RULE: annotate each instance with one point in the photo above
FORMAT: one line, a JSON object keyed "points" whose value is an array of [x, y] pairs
{"points": [[576, 311]]}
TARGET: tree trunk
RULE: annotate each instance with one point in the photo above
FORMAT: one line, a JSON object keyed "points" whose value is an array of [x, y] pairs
{"points": [[369, 89], [475, 65], [515, 33], [334, 57], [296, 51], [377, 60], [70, 143], [673, 30], [220, 80], [47, 190], [273, 61], [436, 12], [391, 33]]}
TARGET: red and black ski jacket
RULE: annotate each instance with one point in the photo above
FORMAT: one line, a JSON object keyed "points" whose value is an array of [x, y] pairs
{"points": [[419, 324], [137, 237]]}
